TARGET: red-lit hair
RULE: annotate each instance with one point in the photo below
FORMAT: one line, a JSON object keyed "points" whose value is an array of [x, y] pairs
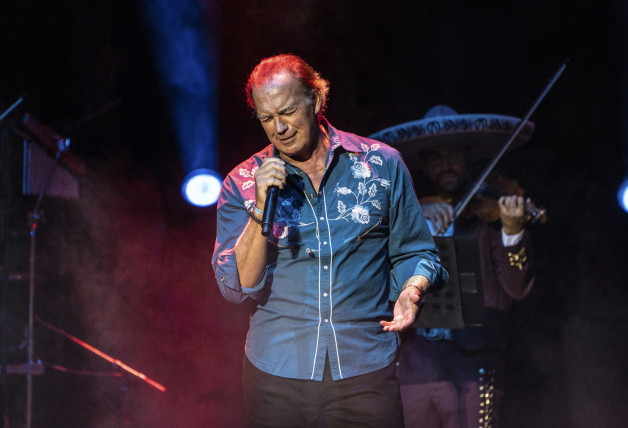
{"points": [[310, 79]]}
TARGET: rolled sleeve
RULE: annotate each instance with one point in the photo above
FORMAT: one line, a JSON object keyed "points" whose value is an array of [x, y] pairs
{"points": [[411, 246], [226, 272], [232, 220]]}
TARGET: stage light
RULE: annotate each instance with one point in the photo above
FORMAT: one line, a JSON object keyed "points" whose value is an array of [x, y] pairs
{"points": [[622, 195], [201, 187], [184, 41]]}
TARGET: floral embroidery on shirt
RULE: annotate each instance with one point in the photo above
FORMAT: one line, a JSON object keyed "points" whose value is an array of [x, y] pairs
{"points": [[360, 211], [246, 173], [357, 205]]}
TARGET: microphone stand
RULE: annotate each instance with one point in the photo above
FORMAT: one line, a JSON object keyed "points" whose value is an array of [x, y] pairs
{"points": [[62, 147]]}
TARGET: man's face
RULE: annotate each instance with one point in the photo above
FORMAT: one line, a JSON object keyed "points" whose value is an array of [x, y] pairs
{"points": [[288, 116], [446, 166]]}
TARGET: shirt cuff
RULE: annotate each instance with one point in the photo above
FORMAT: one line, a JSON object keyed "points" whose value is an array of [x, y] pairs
{"points": [[511, 240]]}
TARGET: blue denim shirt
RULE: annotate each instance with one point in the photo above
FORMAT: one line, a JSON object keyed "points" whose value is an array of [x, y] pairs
{"points": [[336, 258]]}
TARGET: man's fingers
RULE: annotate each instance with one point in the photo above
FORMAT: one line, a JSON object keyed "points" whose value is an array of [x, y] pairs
{"points": [[512, 205], [439, 214], [397, 324], [272, 172]]}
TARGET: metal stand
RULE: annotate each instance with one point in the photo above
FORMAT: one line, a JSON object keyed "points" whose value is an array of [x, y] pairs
{"points": [[34, 216], [50, 184], [62, 145]]}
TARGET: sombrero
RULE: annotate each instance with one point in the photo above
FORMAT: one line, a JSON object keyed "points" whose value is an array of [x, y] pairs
{"points": [[486, 134]]}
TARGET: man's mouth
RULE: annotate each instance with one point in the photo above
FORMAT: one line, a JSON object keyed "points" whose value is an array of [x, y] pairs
{"points": [[287, 139]]}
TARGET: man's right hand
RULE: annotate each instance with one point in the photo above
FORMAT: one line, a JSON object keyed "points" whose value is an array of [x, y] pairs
{"points": [[272, 172], [440, 214]]}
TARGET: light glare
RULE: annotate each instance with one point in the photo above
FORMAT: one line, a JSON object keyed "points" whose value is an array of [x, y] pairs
{"points": [[202, 187], [622, 195]]}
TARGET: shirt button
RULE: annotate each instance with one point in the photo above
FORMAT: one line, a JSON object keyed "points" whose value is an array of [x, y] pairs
{"points": [[326, 320], [324, 294], [325, 243], [311, 195], [325, 267], [322, 218]]}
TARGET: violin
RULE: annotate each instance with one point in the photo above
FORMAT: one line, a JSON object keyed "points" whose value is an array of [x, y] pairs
{"points": [[485, 204]]}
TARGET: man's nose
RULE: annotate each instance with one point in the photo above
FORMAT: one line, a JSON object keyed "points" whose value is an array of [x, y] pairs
{"points": [[280, 126]]}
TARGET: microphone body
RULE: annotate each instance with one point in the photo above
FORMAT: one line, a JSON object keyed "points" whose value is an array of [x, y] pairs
{"points": [[268, 218]]}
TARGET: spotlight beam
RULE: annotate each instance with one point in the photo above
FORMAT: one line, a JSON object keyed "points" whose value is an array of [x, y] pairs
{"points": [[186, 62]]}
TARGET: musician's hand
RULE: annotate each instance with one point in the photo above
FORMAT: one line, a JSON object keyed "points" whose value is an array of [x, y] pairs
{"points": [[440, 214], [272, 172], [511, 213]]}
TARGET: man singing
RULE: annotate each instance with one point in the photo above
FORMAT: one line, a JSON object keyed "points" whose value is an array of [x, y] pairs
{"points": [[348, 239]]}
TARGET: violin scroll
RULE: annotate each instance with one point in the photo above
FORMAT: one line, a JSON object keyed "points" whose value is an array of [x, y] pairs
{"points": [[534, 213]]}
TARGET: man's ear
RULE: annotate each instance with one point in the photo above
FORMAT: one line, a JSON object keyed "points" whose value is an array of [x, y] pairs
{"points": [[317, 102]]}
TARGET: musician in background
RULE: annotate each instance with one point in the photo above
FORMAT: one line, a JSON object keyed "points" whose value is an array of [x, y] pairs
{"points": [[455, 377]]}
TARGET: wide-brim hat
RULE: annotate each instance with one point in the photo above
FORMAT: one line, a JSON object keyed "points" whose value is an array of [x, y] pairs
{"points": [[485, 133]]}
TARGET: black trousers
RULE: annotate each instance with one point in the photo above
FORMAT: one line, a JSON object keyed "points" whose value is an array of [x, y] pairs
{"points": [[371, 400]]}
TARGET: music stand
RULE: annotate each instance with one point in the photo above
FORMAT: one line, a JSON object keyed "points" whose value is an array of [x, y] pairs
{"points": [[461, 303]]}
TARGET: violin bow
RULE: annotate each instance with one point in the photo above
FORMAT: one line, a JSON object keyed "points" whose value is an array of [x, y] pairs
{"points": [[478, 183]]}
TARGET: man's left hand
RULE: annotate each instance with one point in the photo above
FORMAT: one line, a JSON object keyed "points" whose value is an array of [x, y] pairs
{"points": [[511, 213], [405, 310]]}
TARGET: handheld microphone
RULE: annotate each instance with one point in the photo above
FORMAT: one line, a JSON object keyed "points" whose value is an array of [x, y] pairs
{"points": [[268, 218]]}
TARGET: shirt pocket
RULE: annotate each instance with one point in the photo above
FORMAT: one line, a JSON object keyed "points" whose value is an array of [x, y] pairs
{"points": [[372, 230]]}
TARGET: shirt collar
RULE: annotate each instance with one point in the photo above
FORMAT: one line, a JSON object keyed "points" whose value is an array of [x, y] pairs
{"points": [[342, 139]]}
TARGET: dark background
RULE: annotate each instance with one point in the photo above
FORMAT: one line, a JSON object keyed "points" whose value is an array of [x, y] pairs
{"points": [[126, 266]]}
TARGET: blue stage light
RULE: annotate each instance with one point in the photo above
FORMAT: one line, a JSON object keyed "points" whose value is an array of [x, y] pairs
{"points": [[622, 195], [201, 187], [184, 41]]}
